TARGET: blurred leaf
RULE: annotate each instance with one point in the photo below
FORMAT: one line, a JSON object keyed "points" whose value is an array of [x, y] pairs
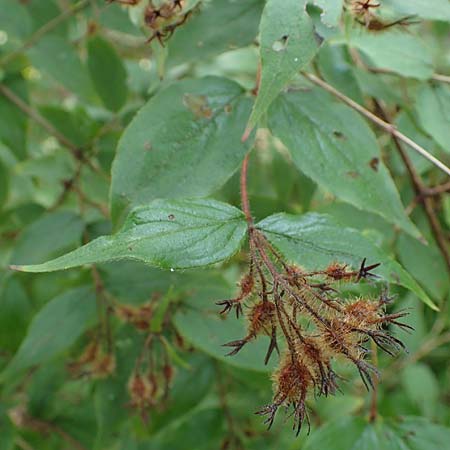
{"points": [[433, 110], [4, 185], [331, 144], [409, 434], [425, 9], [420, 434], [200, 323], [75, 125], [331, 11], [314, 240], [56, 57], [416, 319], [288, 44], [43, 12], [335, 68], [13, 123], [51, 234], [14, 20], [426, 263], [43, 387], [407, 124], [220, 25], [167, 234], [135, 282], [108, 73], [15, 309], [189, 388], [54, 329], [200, 431], [7, 431], [401, 53], [422, 387], [191, 149]]}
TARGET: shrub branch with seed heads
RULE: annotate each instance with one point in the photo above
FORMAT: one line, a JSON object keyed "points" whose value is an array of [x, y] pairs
{"points": [[305, 310]]}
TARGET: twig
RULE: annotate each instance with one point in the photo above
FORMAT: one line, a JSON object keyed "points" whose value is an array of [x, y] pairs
{"points": [[421, 191], [436, 76], [46, 28], [437, 190], [441, 78], [244, 193], [391, 129]]}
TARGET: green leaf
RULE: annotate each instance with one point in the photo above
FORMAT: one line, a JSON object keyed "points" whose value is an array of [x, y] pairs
{"points": [[108, 73], [15, 309], [55, 56], [75, 125], [433, 110], [422, 387], [4, 185], [198, 376], [334, 66], [167, 234], [54, 329], [288, 43], [13, 122], [425, 9], [427, 264], [410, 433], [14, 20], [314, 240], [401, 53], [51, 234], [331, 11], [199, 322], [221, 25], [191, 148], [420, 434], [334, 146]]}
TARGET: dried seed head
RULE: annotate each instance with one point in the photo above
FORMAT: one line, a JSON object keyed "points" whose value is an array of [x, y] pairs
{"points": [[292, 382], [261, 318], [363, 313], [338, 272], [247, 283], [139, 390], [138, 316], [104, 366]]}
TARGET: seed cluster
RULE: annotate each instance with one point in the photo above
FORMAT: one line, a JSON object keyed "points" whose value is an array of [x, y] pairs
{"points": [[161, 18], [306, 311]]}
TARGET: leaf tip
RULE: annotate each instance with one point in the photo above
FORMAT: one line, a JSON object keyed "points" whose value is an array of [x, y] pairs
{"points": [[16, 268]]}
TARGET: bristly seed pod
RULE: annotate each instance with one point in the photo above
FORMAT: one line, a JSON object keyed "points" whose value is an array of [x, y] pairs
{"points": [[318, 325]]}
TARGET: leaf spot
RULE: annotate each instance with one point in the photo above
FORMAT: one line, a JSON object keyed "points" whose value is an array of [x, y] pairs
{"points": [[374, 163], [339, 134], [171, 217], [280, 44], [198, 105]]}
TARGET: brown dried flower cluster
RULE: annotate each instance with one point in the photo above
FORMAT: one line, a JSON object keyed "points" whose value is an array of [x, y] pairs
{"points": [[306, 311], [364, 12], [162, 18], [150, 381]]}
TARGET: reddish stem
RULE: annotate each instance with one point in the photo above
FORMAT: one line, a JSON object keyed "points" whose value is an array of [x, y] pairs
{"points": [[244, 194]]}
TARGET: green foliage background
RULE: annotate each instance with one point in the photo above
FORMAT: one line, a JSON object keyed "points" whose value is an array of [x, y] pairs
{"points": [[103, 136]]}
